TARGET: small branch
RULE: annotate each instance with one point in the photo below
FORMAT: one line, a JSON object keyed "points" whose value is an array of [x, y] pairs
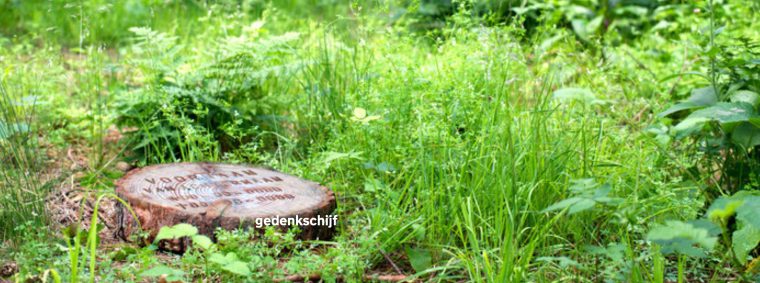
{"points": [[638, 116], [388, 258]]}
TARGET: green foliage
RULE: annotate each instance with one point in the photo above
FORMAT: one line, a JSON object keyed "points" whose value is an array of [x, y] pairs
{"points": [[86, 22], [451, 150], [741, 208], [680, 237], [700, 98], [587, 193], [171, 274], [248, 254], [201, 241], [737, 226], [9, 130], [21, 190], [592, 22], [197, 111], [230, 263], [722, 117], [419, 258], [176, 231]]}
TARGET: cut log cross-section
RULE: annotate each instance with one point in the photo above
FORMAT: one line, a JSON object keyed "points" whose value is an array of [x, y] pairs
{"points": [[211, 195]]}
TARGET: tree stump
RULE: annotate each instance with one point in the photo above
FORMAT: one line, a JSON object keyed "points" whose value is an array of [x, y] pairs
{"points": [[211, 195]]}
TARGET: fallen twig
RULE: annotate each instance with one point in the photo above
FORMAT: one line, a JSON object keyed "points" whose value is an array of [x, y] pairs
{"points": [[388, 258]]}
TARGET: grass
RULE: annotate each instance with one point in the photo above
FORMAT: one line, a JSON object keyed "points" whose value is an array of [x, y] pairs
{"points": [[445, 147], [22, 203]]}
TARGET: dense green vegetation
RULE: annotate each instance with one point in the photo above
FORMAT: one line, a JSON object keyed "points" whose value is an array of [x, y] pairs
{"points": [[466, 140]]}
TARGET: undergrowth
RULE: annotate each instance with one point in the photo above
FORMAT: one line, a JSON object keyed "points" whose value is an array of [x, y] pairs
{"points": [[467, 141]]}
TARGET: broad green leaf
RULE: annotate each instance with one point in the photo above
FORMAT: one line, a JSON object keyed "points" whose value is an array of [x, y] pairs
{"points": [[372, 185], [223, 260], [755, 121], [419, 258], [562, 204], [688, 127], [594, 25], [202, 242], [702, 223], [746, 96], [419, 232], [679, 107], [749, 212], [601, 195], [602, 191], [745, 240], [579, 27], [582, 205], [725, 112], [176, 231], [615, 251], [218, 258], [165, 233], [184, 229], [573, 204], [680, 237], [230, 263], [723, 208], [746, 135], [701, 97], [746, 206], [237, 267]]}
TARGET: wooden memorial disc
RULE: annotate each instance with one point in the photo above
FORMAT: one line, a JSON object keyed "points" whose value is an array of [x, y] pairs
{"points": [[211, 195]]}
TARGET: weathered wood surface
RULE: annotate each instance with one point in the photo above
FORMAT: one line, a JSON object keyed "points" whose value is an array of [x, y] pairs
{"points": [[211, 195]]}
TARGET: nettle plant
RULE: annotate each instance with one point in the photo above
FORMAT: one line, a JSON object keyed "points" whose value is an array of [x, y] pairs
{"points": [[725, 127], [187, 111], [721, 121], [721, 118]]}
